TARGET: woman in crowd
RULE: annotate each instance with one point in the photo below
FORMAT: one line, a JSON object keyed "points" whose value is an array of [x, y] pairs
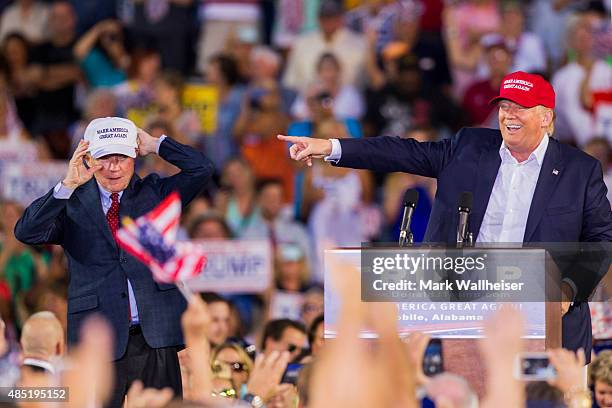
{"points": [[345, 101], [102, 54], [21, 77], [233, 357], [236, 199], [222, 74]]}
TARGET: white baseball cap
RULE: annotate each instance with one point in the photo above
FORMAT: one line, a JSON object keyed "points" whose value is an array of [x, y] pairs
{"points": [[111, 136]]}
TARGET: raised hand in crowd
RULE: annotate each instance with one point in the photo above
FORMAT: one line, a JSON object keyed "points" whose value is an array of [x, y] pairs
{"points": [[499, 348], [355, 373], [107, 32], [78, 174], [140, 397], [416, 344], [265, 379], [89, 374], [570, 375], [195, 321]]}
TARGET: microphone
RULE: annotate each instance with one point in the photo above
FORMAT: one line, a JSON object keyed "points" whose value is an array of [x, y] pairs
{"points": [[411, 198], [464, 237]]}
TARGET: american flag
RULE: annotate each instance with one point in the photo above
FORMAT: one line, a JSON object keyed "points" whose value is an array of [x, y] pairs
{"points": [[152, 240]]}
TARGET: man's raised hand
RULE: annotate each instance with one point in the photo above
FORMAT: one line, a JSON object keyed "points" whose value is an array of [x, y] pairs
{"points": [[146, 143], [304, 149], [78, 174]]}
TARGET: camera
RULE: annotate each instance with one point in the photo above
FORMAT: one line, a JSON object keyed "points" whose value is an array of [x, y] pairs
{"points": [[532, 366], [325, 99]]}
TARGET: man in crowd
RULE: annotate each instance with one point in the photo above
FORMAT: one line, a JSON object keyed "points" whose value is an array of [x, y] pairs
{"points": [[269, 221], [42, 342], [82, 215], [331, 37], [219, 310], [284, 335], [527, 187]]}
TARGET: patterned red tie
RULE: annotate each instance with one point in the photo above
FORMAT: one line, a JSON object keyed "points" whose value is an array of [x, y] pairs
{"points": [[112, 216]]}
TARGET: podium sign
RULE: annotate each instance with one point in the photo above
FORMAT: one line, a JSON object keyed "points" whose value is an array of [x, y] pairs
{"points": [[447, 293]]}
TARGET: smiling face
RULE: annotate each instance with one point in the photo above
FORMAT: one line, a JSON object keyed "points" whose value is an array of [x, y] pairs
{"points": [[522, 128], [603, 394], [116, 172]]}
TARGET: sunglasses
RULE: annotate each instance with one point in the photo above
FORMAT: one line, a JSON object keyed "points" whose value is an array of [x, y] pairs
{"points": [[235, 366], [292, 347]]}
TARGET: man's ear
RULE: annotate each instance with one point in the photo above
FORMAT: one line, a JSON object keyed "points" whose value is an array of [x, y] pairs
{"points": [[547, 118]]}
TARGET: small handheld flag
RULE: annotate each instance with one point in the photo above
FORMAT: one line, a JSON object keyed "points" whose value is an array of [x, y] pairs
{"points": [[151, 239]]}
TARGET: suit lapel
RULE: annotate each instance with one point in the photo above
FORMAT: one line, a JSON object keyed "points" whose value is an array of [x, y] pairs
{"points": [[126, 206], [550, 173], [488, 167], [89, 195]]}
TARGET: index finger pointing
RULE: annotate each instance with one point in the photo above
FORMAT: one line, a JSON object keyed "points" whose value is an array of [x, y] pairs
{"points": [[292, 139]]}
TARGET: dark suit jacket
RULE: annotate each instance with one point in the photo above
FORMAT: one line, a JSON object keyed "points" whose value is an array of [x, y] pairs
{"points": [[98, 267], [570, 206]]}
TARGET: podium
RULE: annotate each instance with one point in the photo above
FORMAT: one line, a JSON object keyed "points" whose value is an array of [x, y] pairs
{"points": [[454, 312]]}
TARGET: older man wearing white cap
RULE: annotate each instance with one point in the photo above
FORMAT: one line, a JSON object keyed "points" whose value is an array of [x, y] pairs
{"points": [[82, 215]]}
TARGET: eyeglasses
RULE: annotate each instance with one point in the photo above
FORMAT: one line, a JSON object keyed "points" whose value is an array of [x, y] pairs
{"points": [[112, 158]]}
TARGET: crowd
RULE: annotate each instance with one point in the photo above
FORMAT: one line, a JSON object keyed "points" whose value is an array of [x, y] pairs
{"points": [[226, 78]]}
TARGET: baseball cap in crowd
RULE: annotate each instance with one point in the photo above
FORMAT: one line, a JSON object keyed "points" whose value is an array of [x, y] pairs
{"points": [[111, 136], [527, 90], [330, 8]]}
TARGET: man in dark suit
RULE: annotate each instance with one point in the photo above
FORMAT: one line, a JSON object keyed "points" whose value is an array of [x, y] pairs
{"points": [[527, 187], [82, 215]]}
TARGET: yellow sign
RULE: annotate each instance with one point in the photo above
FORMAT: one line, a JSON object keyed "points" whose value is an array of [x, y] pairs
{"points": [[204, 100], [140, 115]]}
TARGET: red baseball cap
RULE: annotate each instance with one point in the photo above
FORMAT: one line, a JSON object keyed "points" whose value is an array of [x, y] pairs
{"points": [[527, 90]]}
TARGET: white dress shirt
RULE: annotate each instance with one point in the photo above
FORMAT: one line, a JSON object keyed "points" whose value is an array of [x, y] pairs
{"points": [[505, 219]]}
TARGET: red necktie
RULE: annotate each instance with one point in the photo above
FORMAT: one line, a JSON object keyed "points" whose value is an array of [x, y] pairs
{"points": [[112, 215]]}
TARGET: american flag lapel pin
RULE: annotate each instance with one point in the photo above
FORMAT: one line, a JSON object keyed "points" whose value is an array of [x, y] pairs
{"points": [[555, 172]]}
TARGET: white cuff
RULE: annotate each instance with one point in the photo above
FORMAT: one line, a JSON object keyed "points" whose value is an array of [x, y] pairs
{"points": [[161, 139], [61, 192], [336, 152]]}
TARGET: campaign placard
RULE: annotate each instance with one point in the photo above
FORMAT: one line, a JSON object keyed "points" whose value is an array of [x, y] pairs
{"points": [[204, 100], [234, 266], [26, 181]]}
